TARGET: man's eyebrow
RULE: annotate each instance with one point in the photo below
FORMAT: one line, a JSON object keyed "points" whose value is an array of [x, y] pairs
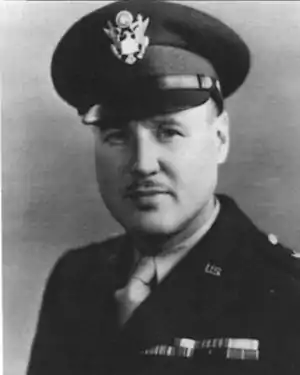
{"points": [[167, 120], [108, 123]]}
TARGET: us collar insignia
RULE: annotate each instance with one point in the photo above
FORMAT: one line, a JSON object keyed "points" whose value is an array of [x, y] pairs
{"points": [[213, 269], [129, 42]]}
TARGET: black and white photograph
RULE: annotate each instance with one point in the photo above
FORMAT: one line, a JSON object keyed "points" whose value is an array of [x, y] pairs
{"points": [[151, 187]]}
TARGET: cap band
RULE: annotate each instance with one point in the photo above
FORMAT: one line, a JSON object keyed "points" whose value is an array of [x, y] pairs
{"points": [[190, 81]]}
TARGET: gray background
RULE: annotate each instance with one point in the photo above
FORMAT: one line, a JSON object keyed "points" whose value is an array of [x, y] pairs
{"points": [[50, 198]]}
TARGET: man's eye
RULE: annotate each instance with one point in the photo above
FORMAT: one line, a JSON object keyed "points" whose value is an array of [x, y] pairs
{"points": [[168, 132], [115, 136]]}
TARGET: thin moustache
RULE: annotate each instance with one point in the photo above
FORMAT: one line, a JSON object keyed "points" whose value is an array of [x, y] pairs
{"points": [[147, 187]]}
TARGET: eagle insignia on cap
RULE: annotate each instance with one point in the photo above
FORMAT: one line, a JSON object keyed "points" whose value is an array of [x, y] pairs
{"points": [[129, 42]]}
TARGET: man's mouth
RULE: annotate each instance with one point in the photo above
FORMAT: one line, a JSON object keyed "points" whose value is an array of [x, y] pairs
{"points": [[144, 192]]}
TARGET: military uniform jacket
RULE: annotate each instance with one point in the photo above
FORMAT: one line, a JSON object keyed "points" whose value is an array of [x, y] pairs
{"points": [[233, 284]]}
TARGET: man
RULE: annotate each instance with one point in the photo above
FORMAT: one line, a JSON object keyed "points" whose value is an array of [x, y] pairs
{"points": [[193, 286]]}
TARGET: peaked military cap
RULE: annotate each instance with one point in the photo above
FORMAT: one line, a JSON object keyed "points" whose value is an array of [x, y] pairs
{"points": [[143, 58]]}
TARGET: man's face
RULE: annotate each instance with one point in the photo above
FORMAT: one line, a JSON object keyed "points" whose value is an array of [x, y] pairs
{"points": [[157, 175]]}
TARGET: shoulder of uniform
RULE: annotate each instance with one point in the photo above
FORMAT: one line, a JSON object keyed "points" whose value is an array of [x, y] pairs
{"points": [[97, 255], [277, 255], [275, 276]]}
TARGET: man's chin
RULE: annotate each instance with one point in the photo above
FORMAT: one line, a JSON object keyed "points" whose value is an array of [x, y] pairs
{"points": [[151, 225]]}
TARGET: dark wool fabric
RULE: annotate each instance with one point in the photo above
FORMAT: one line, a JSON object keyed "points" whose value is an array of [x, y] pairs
{"points": [[257, 297]]}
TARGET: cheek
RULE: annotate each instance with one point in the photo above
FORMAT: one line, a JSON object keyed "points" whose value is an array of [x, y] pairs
{"points": [[108, 170], [196, 171], [199, 157]]}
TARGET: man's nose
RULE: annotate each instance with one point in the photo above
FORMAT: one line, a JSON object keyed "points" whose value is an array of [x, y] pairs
{"points": [[145, 160]]}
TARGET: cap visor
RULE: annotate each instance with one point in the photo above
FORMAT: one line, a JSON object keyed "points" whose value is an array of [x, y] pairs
{"points": [[151, 104]]}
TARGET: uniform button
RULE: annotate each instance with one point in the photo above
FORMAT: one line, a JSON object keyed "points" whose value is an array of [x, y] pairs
{"points": [[273, 239]]}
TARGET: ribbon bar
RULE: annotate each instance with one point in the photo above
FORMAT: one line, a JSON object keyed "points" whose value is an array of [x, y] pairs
{"points": [[227, 348]]}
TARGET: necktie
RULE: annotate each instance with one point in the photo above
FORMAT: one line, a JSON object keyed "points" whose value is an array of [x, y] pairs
{"points": [[138, 288]]}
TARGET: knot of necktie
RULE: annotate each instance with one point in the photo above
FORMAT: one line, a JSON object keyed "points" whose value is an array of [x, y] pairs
{"points": [[137, 289]]}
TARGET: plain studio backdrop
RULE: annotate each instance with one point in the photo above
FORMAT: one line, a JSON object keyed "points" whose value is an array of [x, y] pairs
{"points": [[50, 197]]}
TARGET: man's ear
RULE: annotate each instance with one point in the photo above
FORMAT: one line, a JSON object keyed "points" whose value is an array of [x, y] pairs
{"points": [[221, 127]]}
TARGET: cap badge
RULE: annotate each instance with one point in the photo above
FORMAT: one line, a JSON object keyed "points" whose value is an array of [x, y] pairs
{"points": [[129, 42]]}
